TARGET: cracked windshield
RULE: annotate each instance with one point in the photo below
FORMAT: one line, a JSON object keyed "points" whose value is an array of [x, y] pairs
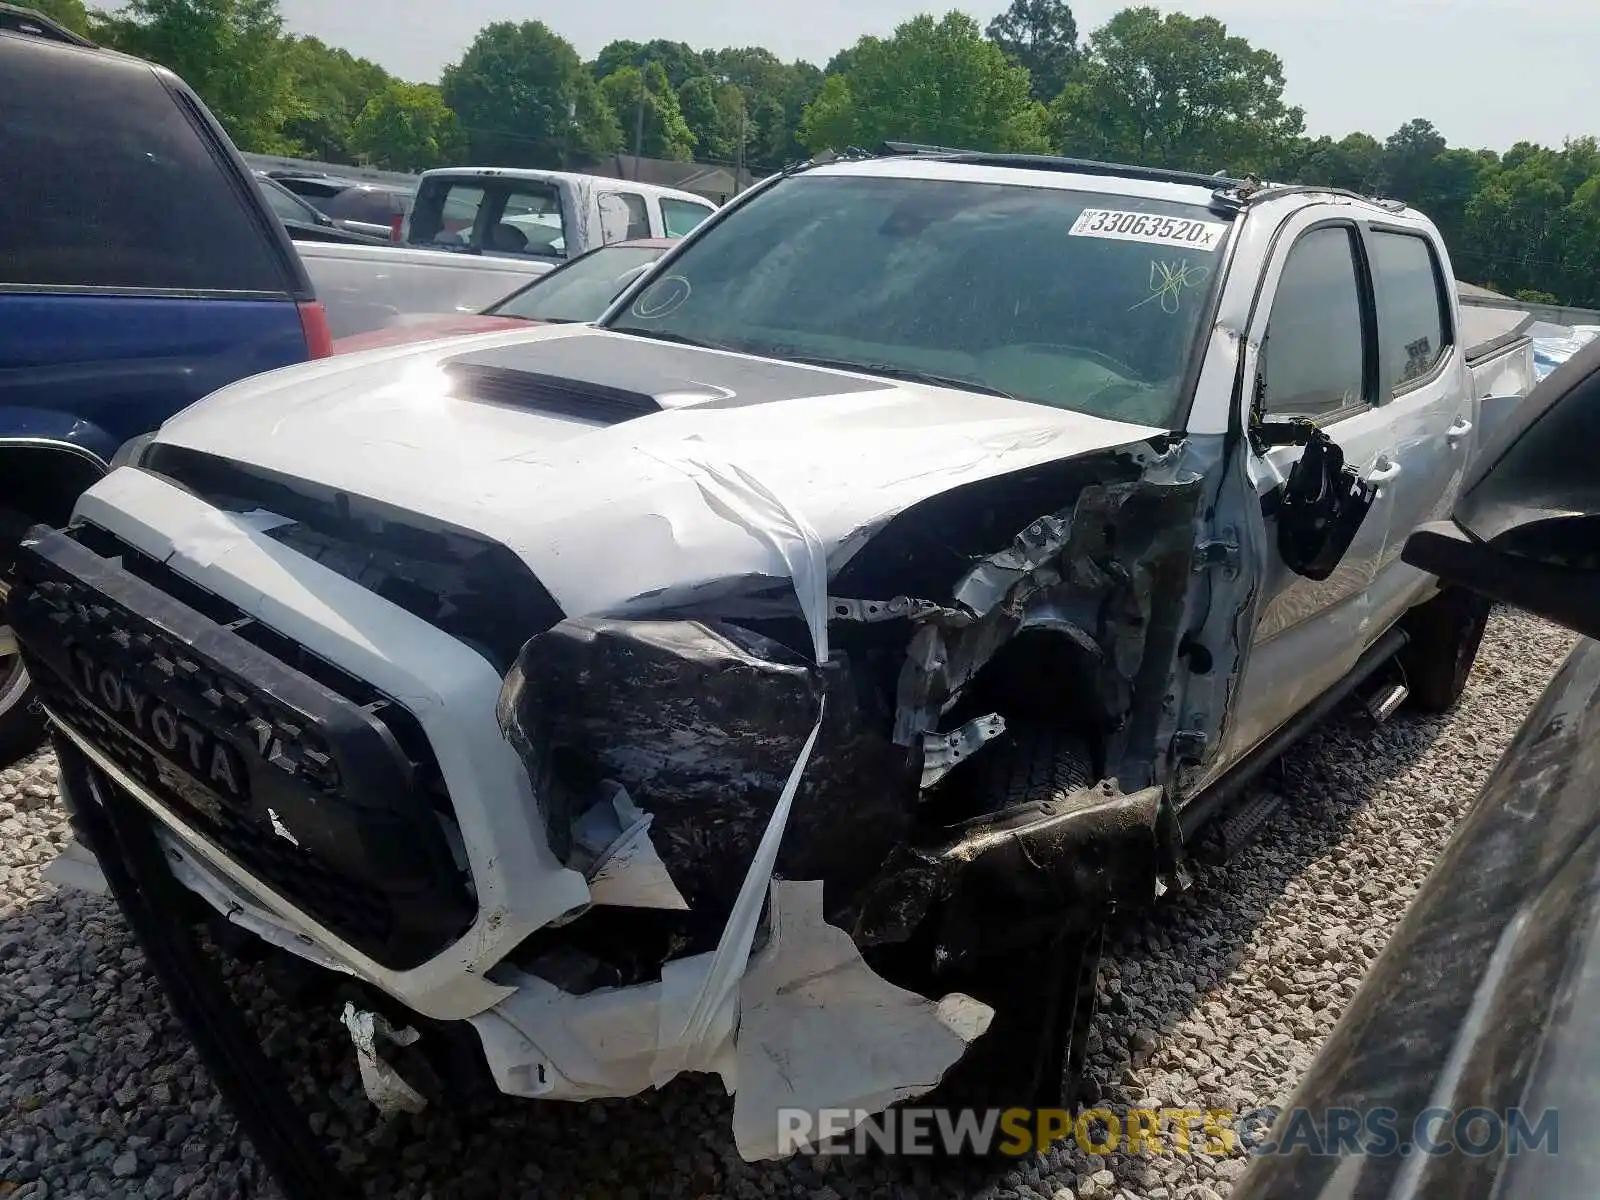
{"points": [[1073, 299]]}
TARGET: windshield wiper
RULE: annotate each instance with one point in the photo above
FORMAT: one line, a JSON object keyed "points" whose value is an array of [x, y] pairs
{"points": [[893, 371]]}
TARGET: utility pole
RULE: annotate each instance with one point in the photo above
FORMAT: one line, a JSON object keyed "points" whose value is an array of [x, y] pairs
{"points": [[738, 169], [638, 130]]}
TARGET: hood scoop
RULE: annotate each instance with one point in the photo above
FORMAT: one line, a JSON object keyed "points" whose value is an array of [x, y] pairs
{"points": [[491, 382], [612, 378]]}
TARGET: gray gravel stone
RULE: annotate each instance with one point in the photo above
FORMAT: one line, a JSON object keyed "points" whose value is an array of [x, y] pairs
{"points": [[1219, 997]]}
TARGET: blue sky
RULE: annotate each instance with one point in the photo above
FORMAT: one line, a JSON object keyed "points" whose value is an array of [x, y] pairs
{"points": [[1484, 72]]}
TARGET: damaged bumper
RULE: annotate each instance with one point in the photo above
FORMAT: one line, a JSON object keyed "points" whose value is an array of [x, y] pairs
{"points": [[619, 810]]}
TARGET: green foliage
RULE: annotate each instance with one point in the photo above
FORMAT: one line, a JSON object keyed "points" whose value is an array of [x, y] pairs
{"points": [[408, 127], [524, 98], [331, 87], [1176, 91], [934, 81], [231, 52], [70, 14], [1041, 35], [1149, 87], [647, 109]]}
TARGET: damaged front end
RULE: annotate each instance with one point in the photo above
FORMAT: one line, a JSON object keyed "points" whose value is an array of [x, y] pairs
{"points": [[859, 743]]}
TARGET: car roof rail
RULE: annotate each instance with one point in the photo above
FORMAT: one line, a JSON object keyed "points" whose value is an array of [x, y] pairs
{"points": [[1056, 162], [14, 18]]}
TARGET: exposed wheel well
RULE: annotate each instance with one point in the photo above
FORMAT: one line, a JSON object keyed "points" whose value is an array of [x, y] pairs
{"points": [[41, 485]]}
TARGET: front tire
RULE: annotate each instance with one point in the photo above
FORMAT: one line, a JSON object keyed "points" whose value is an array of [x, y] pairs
{"points": [[1444, 637], [22, 723], [1033, 1055]]}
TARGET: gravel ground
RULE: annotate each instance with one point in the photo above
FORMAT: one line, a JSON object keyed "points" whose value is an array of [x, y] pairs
{"points": [[1220, 998]]}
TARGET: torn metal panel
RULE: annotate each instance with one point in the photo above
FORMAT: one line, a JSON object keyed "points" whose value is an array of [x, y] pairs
{"points": [[819, 1029], [385, 1086], [943, 752], [1037, 864]]}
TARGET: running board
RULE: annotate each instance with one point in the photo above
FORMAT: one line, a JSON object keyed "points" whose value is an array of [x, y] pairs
{"points": [[1243, 825], [1382, 704], [1199, 811]]}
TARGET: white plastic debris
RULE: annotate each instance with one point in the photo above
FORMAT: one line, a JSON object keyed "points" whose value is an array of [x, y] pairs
{"points": [[818, 1028], [612, 847], [384, 1085]]}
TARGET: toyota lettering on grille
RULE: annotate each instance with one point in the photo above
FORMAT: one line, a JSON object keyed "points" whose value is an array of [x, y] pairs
{"points": [[180, 741]]}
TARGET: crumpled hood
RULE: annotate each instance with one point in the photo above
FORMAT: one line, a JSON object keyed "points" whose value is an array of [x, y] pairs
{"points": [[606, 510]]}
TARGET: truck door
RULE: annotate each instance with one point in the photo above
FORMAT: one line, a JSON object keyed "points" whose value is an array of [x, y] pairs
{"points": [[1316, 327], [1426, 393]]}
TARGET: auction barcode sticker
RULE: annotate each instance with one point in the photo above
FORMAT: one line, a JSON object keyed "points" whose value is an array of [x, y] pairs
{"points": [[1158, 230]]}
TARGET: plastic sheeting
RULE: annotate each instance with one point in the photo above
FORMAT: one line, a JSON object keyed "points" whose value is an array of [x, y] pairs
{"points": [[1551, 350]]}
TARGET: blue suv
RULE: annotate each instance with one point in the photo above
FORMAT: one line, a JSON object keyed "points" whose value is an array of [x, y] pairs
{"points": [[140, 269]]}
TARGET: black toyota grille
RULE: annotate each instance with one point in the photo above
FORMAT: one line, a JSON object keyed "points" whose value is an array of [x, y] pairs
{"points": [[331, 794]]}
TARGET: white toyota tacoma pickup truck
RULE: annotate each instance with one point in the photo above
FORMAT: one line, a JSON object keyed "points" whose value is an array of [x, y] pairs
{"points": [[786, 676]]}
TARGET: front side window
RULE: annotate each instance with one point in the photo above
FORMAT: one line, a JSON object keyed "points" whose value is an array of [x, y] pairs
{"points": [[679, 216], [1080, 300], [1413, 308], [1314, 357], [580, 290], [526, 221]]}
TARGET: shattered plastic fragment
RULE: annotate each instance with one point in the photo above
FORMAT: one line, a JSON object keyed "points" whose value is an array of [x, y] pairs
{"points": [[383, 1084], [612, 847], [819, 1029]]}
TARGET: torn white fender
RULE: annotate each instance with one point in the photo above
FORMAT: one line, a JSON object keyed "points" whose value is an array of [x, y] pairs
{"points": [[686, 1039], [611, 845], [818, 1028], [384, 1086]]}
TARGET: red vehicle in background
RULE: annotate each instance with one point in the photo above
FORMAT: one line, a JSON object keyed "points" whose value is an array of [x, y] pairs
{"points": [[578, 290]]}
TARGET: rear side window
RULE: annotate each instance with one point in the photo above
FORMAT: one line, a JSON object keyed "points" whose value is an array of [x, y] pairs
{"points": [[1316, 347], [638, 216], [359, 204], [680, 216], [107, 183], [1413, 308]]}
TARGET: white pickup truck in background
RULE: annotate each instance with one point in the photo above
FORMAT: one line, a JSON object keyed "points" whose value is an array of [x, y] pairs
{"points": [[475, 235]]}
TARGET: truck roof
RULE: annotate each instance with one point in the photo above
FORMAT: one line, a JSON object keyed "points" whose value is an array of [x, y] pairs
{"points": [[905, 160], [533, 175]]}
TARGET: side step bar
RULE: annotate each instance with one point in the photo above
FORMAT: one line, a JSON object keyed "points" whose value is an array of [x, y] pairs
{"points": [[1199, 812]]}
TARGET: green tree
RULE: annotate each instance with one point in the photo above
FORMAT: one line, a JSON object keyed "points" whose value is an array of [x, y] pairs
{"points": [[717, 117], [775, 97], [647, 108], [408, 127], [1041, 35], [331, 87], [1408, 158], [1177, 91], [677, 59], [1353, 163], [231, 52], [933, 81], [524, 98], [71, 14]]}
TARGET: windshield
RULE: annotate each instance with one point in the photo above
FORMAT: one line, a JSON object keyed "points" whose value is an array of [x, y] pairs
{"points": [[580, 290], [1078, 300]]}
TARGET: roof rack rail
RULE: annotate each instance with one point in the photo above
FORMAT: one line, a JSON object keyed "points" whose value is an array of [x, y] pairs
{"points": [[1055, 162], [14, 18]]}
